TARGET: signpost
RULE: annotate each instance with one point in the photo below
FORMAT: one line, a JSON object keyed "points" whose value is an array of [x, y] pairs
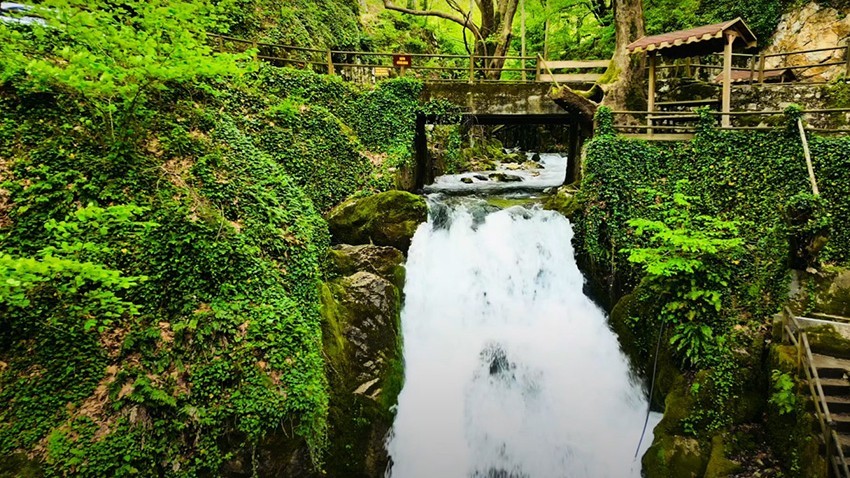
{"points": [[402, 62]]}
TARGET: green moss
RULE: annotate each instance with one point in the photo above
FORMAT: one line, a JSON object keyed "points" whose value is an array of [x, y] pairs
{"points": [[19, 466], [387, 219], [824, 339], [719, 466], [507, 202], [563, 201]]}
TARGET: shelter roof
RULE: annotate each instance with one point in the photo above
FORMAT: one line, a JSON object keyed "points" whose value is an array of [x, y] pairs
{"points": [[695, 41]]}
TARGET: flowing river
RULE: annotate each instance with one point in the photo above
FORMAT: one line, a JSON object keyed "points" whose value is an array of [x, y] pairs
{"points": [[511, 371]]}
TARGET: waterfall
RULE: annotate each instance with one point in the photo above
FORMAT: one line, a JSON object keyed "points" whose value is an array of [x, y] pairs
{"points": [[511, 371]]}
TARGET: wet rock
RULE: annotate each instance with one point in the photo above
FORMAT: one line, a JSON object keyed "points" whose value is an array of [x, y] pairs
{"points": [[564, 202], [384, 261], [504, 177], [536, 157], [530, 165], [385, 219], [362, 346], [466, 180], [481, 177]]}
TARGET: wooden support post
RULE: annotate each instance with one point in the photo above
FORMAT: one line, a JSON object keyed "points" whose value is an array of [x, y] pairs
{"points": [[254, 47], [808, 156], [221, 44], [688, 72], [761, 68], [650, 97], [522, 32], [847, 60], [331, 69], [538, 64], [726, 99], [420, 147], [753, 69], [471, 69]]}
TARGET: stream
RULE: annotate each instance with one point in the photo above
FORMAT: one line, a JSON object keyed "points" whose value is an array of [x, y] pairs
{"points": [[511, 371]]}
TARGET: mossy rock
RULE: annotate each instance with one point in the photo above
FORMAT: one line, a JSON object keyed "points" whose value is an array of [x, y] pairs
{"points": [[719, 466], [827, 291], [563, 201], [824, 339], [383, 261], [385, 219], [674, 456], [362, 348], [634, 320], [19, 466]]}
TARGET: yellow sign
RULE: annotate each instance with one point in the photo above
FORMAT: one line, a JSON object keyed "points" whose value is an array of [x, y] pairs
{"points": [[382, 72]]}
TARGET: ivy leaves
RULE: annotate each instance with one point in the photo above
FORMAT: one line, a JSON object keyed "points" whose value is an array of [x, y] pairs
{"points": [[689, 262]]}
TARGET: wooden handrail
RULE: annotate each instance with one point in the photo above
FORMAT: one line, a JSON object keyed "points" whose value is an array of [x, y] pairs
{"points": [[794, 333]]}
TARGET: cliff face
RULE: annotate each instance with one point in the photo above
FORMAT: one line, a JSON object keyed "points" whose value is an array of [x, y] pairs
{"points": [[810, 27]]}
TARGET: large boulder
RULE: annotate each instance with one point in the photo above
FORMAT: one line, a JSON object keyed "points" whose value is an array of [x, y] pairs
{"points": [[383, 261], [385, 219], [362, 344]]}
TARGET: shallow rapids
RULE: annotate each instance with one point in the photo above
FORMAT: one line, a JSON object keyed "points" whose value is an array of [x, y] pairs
{"points": [[511, 371]]}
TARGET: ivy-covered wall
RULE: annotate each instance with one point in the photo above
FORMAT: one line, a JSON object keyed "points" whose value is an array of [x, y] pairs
{"points": [[699, 291], [159, 308]]}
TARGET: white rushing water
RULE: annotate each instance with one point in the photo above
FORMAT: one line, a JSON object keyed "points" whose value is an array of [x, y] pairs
{"points": [[511, 371]]}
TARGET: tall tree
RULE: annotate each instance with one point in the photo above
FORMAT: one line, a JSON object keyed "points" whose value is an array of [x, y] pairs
{"points": [[625, 71], [492, 33]]}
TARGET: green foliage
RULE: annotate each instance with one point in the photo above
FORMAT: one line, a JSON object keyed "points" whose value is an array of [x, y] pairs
{"points": [[688, 262], [784, 397], [113, 57], [306, 23]]}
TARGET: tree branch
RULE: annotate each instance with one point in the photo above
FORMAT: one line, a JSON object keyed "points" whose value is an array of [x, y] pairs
{"points": [[388, 4]]}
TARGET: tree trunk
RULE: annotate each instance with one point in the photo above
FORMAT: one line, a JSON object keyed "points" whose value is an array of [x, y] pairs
{"points": [[492, 35], [626, 89]]}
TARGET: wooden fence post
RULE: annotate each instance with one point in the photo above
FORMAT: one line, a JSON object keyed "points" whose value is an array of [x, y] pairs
{"points": [[537, 67], [761, 68], [472, 69], [847, 60], [331, 70]]}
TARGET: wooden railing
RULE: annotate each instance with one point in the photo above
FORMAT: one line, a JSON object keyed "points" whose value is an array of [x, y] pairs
{"points": [[570, 71], [753, 68], [678, 124], [794, 334], [372, 66]]}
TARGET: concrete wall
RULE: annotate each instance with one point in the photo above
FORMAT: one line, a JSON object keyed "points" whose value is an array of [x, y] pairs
{"points": [[495, 98]]}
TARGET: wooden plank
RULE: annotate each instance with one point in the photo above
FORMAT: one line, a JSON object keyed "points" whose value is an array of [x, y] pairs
{"points": [[577, 64], [709, 101], [660, 136], [571, 77]]}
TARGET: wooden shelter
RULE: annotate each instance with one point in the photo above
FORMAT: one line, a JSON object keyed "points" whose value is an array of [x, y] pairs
{"points": [[704, 40]]}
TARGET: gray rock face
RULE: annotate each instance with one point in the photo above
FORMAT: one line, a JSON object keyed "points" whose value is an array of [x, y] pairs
{"points": [[383, 261], [372, 328]]}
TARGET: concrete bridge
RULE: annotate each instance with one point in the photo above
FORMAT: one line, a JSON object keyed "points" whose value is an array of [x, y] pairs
{"points": [[505, 104]]}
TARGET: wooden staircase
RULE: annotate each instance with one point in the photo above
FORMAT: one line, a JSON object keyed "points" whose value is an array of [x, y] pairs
{"points": [[828, 380]]}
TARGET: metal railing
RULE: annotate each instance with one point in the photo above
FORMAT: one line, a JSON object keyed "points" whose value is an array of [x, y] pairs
{"points": [[794, 334]]}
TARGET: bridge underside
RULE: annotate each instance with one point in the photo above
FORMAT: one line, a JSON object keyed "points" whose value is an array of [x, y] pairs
{"points": [[577, 132]]}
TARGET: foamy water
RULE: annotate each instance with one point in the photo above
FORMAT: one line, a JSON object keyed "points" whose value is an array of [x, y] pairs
{"points": [[511, 371]]}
